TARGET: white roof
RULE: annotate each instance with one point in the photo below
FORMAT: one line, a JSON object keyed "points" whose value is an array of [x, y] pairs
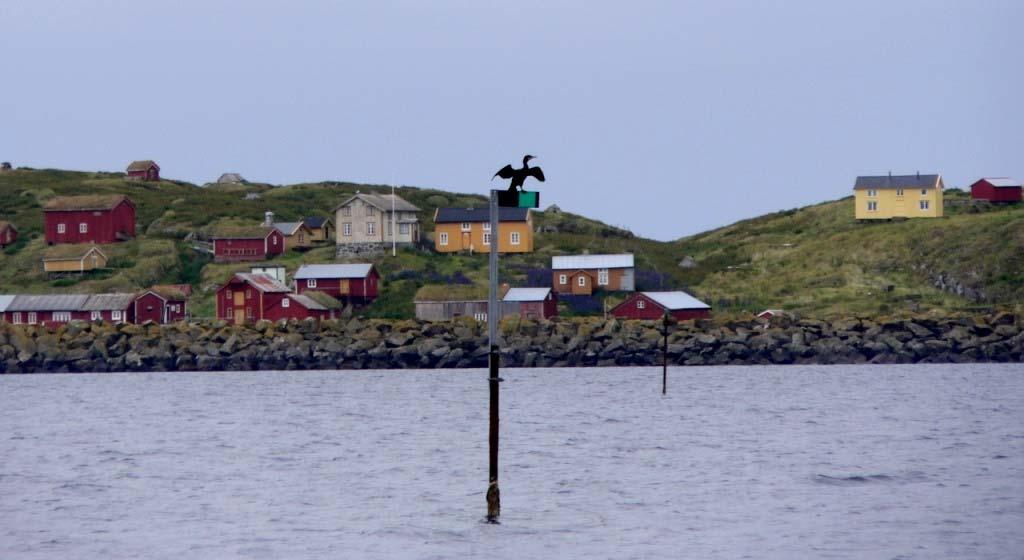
{"points": [[5, 301], [527, 294], [576, 262], [1002, 182], [676, 300], [317, 271]]}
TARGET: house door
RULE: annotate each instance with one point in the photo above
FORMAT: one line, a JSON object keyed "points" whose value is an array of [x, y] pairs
{"points": [[343, 288], [239, 305], [465, 240]]}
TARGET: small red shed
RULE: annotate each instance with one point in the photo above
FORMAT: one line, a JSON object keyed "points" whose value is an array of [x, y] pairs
{"points": [[163, 304], [144, 170], [257, 243], [530, 303], [315, 305], [8, 234], [350, 282], [653, 306], [996, 189], [89, 219]]}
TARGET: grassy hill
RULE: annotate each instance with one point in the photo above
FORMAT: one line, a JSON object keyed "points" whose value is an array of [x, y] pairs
{"points": [[815, 260]]}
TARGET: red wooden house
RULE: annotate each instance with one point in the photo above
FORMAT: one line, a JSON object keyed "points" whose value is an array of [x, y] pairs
{"points": [[530, 303], [996, 189], [253, 297], [311, 305], [57, 309], [144, 170], [112, 308], [163, 303], [257, 243], [351, 282], [89, 219], [654, 305], [8, 234]]}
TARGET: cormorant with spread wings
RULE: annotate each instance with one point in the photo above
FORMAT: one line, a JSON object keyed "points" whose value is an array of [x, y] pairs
{"points": [[519, 176]]}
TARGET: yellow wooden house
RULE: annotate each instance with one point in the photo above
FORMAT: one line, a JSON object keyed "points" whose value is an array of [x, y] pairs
{"points": [[469, 229], [884, 197], [65, 259]]}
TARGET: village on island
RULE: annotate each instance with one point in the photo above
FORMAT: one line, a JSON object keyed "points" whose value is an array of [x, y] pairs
{"points": [[364, 227]]}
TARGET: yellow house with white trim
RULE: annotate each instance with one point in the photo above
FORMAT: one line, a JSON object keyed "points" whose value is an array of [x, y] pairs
{"points": [[884, 197]]}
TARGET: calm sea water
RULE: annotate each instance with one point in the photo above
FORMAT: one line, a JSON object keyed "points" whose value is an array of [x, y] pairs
{"points": [[736, 462]]}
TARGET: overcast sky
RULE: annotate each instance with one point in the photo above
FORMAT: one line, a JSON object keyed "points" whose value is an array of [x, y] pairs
{"points": [[668, 118]]}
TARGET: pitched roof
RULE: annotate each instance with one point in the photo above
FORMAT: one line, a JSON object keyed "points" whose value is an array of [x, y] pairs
{"points": [[48, 302], [240, 232], [262, 282], [382, 202], [674, 301], [916, 181], [527, 294], [1002, 182], [4, 224], [230, 178], [435, 292], [5, 302], [316, 300], [173, 292], [314, 221], [289, 228], [459, 215], [108, 302], [576, 262], [66, 252], [84, 202], [142, 165], [317, 271]]}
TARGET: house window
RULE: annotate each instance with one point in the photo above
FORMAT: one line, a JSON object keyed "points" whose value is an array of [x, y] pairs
{"points": [[311, 283], [370, 210], [346, 229], [924, 192], [924, 204], [248, 313], [248, 293], [465, 226], [274, 237], [487, 226], [480, 317], [230, 314], [641, 304], [32, 317], [403, 229], [115, 315], [582, 281], [514, 237], [390, 225], [443, 239], [872, 206], [61, 228], [83, 228], [371, 227], [16, 318], [487, 239], [286, 302], [346, 211], [602, 277], [62, 316], [872, 192], [302, 237], [563, 279], [95, 315], [899, 192], [227, 295]]}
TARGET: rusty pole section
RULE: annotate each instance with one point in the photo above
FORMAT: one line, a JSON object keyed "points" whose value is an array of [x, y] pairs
{"points": [[494, 313]]}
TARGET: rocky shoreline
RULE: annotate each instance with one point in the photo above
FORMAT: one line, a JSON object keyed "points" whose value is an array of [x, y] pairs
{"points": [[378, 344]]}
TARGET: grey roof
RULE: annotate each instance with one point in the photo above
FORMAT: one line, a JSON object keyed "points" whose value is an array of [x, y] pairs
{"points": [[307, 302], [5, 302], [459, 215], [1001, 182], [527, 294], [916, 181], [263, 282], [230, 178], [382, 202], [108, 302], [676, 300], [317, 271], [288, 228], [576, 262], [48, 302]]}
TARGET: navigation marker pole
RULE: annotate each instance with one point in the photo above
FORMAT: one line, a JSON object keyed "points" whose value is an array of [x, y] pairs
{"points": [[664, 355], [493, 317]]}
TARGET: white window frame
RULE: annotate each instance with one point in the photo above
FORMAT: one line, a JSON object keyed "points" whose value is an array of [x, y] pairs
{"points": [[487, 226], [16, 318], [116, 315], [872, 192], [32, 317], [230, 313], [346, 211], [641, 304], [924, 205], [274, 237], [481, 317], [346, 229], [403, 229], [487, 238], [442, 238], [61, 228], [563, 279], [311, 283], [83, 227], [872, 206], [370, 210], [466, 226], [582, 281], [513, 238], [286, 302], [371, 227], [61, 316], [96, 316], [602, 277]]}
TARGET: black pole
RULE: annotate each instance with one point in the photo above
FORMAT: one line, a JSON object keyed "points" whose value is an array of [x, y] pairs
{"points": [[493, 494], [494, 313], [664, 357]]}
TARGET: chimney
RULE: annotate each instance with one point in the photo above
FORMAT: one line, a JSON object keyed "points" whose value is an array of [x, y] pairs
{"points": [[918, 175], [268, 218]]}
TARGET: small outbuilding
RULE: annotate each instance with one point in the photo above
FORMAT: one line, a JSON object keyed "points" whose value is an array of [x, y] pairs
{"points": [[996, 189], [530, 303], [444, 303], [230, 178], [358, 282], [322, 228], [654, 305], [296, 235], [311, 305], [112, 308], [68, 259], [165, 303], [8, 234], [144, 170]]}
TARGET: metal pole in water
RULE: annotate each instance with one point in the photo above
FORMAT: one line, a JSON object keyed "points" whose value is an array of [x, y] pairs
{"points": [[664, 356], [493, 317]]}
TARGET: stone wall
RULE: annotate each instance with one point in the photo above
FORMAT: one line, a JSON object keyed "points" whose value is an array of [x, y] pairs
{"points": [[379, 344]]}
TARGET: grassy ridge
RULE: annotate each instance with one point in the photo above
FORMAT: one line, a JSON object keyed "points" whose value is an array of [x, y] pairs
{"points": [[816, 260]]}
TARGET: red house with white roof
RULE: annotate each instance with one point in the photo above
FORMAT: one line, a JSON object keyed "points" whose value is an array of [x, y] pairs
{"points": [[89, 219], [996, 189], [353, 282], [653, 306], [530, 303]]}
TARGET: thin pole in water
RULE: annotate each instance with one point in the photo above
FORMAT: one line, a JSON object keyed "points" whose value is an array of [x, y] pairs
{"points": [[493, 316], [664, 356], [394, 231]]}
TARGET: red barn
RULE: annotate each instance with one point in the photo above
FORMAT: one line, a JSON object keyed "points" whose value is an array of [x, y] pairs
{"points": [[530, 303], [89, 219], [144, 170], [654, 305], [258, 243], [351, 282], [163, 304], [8, 234], [996, 189]]}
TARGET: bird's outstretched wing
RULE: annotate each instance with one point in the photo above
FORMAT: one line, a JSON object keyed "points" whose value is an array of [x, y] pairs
{"points": [[536, 173], [505, 172]]}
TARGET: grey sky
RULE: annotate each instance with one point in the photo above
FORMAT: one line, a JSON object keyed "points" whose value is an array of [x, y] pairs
{"points": [[668, 118]]}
